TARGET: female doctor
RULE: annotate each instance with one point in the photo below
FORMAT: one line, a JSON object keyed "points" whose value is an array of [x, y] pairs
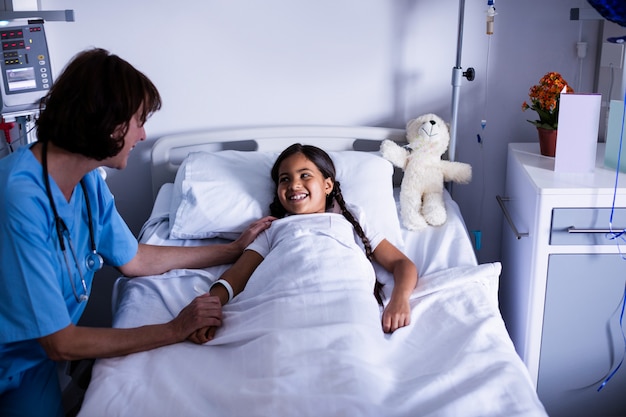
{"points": [[58, 224]]}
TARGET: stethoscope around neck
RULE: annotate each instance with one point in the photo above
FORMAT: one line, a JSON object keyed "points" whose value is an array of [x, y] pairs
{"points": [[93, 261]]}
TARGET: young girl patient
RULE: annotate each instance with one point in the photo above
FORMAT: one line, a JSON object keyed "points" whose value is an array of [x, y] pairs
{"points": [[306, 186]]}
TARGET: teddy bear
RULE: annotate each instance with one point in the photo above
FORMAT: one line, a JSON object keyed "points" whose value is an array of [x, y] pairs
{"points": [[421, 190]]}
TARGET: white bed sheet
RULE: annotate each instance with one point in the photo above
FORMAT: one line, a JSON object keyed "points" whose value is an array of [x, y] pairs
{"points": [[423, 247], [455, 359]]}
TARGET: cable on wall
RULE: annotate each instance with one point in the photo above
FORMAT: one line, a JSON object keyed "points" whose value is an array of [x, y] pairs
{"points": [[617, 236]]}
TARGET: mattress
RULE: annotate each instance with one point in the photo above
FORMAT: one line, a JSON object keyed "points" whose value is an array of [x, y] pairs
{"points": [[316, 352]]}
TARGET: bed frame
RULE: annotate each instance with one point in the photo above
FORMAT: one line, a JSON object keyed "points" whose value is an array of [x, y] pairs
{"points": [[467, 366], [169, 151]]}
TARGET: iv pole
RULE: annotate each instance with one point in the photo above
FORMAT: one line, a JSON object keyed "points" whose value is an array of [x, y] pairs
{"points": [[457, 73]]}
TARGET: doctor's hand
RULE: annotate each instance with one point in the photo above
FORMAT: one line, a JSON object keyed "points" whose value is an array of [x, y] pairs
{"points": [[204, 312], [253, 231], [203, 335]]}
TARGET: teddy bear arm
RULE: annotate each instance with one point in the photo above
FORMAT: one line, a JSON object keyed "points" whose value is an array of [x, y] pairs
{"points": [[394, 153], [457, 172]]}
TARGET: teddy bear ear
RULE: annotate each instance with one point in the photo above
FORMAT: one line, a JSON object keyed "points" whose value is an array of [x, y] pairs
{"points": [[423, 118], [417, 121]]}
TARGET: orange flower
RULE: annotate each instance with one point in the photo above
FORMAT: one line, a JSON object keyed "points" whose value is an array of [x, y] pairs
{"points": [[544, 99]]}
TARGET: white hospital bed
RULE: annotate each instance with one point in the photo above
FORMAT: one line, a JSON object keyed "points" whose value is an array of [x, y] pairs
{"points": [[454, 359]]}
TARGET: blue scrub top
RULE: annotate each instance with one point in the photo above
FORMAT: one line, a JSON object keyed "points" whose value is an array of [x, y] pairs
{"points": [[36, 296]]}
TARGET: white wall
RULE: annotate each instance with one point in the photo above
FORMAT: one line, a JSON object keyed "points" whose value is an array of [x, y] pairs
{"points": [[531, 38], [352, 62]]}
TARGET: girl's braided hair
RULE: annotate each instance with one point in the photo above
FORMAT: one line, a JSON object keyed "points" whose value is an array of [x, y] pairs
{"points": [[326, 166]]}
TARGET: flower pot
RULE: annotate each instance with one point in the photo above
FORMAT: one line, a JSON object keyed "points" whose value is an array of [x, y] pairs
{"points": [[547, 141]]}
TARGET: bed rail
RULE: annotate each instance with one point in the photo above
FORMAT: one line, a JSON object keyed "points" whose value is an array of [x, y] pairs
{"points": [[169, 151]]}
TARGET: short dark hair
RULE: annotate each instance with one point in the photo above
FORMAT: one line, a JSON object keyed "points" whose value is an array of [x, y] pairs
{"points": [[96, 93]]}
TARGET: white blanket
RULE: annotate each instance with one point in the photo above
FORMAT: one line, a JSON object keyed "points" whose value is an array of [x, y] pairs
{"points": [[305, 339]]}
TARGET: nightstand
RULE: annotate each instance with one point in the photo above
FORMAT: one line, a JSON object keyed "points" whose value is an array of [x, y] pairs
{"points": [[563, 280]]}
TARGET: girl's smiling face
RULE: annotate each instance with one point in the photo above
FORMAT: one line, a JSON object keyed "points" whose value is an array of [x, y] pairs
{"points": [[302, 188]]}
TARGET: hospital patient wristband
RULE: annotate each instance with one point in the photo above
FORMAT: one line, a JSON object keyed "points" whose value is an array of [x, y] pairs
{"points": [[226, 285]]}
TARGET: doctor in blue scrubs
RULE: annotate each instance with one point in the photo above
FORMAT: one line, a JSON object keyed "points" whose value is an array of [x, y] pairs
{"points": [[59, 224]]}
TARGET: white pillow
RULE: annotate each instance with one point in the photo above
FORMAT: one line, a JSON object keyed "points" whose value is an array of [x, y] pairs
{"points": [[218, 194]]}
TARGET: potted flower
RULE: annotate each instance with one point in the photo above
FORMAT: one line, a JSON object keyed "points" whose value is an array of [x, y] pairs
{"points": [[544, 99]]}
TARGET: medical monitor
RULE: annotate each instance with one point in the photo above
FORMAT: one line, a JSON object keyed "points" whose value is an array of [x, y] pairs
{"points": [[24, 67]]}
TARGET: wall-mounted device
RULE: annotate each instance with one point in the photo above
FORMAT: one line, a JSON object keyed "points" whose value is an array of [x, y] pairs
{"points": [[24, 66], [610, 73], [25, 71]]}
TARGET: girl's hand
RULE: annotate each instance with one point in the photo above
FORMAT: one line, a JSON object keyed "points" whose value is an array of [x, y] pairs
{"points": [[397, 314]]}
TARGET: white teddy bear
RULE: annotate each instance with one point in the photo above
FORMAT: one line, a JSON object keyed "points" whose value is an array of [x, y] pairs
{"points": [[421, 191]]}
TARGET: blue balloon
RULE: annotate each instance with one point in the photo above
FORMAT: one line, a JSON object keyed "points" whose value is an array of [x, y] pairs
{"points": [[614, 11]]}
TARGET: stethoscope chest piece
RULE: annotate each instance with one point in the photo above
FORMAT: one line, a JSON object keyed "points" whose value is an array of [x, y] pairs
{"points": [[93, 261]]}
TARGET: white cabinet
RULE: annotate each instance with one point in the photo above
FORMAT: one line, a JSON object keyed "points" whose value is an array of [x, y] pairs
{"points": [[563, 280]]}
